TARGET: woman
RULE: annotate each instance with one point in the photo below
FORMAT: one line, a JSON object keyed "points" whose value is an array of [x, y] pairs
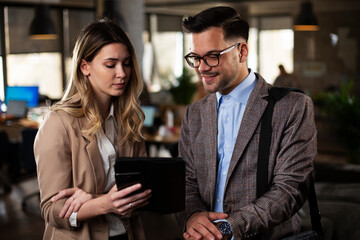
{"points": [[98, 119]]}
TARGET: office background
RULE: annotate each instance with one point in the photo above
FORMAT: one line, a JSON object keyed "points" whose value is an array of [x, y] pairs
{"points": [[324, 62]]}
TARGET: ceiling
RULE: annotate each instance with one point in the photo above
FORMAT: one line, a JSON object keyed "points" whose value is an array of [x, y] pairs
{"points": [[254, 7], [191, 7]]}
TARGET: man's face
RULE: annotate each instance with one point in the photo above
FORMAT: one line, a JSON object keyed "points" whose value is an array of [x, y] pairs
{"points": [[226, 75]]}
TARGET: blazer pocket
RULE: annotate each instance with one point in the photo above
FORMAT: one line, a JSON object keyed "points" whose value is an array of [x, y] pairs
{"points": [[63, 235]]}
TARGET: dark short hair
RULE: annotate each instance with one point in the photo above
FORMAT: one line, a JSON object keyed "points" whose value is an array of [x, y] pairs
{"points": [[226, 17]]}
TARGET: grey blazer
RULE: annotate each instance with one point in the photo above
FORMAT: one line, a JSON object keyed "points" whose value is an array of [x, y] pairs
{"points": [[292, 152]]}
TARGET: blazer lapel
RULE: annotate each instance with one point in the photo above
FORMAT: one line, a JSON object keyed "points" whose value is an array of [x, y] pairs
{"points": [[254, 110], [94, 156]]}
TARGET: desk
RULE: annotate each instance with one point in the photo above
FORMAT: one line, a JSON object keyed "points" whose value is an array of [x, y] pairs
{"points": [[170, 142], [13, 127], [18, 155], [172, 139]]}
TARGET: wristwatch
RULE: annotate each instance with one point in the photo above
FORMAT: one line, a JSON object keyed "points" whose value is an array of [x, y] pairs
{"points": [[225, 229]]}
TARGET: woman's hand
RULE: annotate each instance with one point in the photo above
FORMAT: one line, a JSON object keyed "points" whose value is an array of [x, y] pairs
{"points": [[76, 198], [119, 202]]}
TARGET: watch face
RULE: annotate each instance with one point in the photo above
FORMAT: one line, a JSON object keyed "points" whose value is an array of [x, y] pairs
{"points": [[225, 228]]}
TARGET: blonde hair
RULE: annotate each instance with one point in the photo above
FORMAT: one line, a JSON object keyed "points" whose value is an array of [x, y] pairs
{"points": [[79, 100]]}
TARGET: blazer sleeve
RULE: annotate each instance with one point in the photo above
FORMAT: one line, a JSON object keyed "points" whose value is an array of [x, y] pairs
{"points": [[291, 159], [193, 200], [54, 167]]}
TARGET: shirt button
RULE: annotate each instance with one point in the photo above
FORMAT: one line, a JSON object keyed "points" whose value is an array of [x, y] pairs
{"points": [[218, 200], [224, 172]]}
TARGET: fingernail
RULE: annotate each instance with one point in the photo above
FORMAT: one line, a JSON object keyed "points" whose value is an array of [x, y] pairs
{"points": [[52, 199]]}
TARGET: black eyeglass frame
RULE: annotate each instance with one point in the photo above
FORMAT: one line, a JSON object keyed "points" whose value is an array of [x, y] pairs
{"points": [[217, 55]]}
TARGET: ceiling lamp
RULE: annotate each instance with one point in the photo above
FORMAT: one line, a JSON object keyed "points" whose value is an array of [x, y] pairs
{"points": [[306, 20], [41, 26]]}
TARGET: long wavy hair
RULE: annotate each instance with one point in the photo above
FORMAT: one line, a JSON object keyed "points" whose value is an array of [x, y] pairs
{"points": [[79, 99]]}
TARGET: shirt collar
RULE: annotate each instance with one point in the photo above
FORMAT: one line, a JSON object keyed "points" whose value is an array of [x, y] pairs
{"points": [[242, 91], [111, 112], [110, 119], [111, 115]]}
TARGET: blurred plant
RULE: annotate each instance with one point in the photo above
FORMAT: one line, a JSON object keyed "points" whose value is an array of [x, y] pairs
{"points": [[184, 88], [344, 108]]}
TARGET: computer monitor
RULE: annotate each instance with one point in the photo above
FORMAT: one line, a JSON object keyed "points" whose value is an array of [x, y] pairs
{"points": [[16, 109], [149, 112], [30, 94]]}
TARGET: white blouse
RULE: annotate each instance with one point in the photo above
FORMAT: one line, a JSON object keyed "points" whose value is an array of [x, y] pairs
{"points": [[107, 144]]}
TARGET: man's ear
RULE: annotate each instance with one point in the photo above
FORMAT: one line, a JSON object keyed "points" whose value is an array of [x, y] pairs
{"points": [[244, 51], [84, 67]]}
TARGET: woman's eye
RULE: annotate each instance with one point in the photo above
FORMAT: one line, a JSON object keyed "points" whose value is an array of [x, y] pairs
{"points": [[110, 66], [127, 63]]}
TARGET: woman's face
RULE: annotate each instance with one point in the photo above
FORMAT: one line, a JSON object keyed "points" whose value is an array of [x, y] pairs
{"points": [[109, 71]]}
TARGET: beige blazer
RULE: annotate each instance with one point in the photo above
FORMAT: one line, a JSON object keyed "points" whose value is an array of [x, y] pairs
{"points": [[292, 152], [67, 158]]}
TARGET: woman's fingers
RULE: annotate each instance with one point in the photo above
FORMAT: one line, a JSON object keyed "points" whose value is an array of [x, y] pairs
{"points": [[131, 189], [69, 211], [65, 208], [133, 206], [64, 193], [77, 207], [74, 202], [129, 204]]}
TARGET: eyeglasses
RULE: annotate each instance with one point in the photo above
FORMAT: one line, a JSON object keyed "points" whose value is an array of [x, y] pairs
{"points": [[212, 59]]}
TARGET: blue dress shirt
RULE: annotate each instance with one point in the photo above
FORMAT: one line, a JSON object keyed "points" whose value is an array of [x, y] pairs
{"points": [[231, 109]]}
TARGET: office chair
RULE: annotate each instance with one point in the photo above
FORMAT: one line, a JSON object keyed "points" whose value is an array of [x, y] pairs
{"points": [[5, 147], [27, 159]]}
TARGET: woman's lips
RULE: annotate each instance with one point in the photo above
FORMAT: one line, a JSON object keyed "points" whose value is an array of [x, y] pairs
{"points": [[120, 85]]}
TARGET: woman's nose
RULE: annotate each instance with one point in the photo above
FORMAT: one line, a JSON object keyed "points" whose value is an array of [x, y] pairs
{"points": [[120, 72]]}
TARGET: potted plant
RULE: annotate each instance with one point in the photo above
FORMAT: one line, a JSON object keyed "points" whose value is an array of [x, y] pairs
{"points": [[184, 88], [344, 109]]}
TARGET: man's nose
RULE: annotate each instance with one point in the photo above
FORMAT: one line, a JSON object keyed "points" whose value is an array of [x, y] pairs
{"points": [[203, 66]]}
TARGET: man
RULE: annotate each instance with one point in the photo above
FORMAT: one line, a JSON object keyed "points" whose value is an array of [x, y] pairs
{"points": [[285, 79], [220, 140]]}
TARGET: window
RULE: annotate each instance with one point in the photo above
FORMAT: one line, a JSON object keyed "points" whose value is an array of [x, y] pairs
{"points": [[163, 52], [36, 69], [272, 38], [32, 62], [2, 90]]}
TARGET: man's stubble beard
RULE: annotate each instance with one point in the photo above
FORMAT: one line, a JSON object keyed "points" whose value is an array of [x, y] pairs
{"points": [[222, 83]]}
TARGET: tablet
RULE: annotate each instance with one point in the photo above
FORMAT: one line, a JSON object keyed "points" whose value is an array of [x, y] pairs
{"points": [[164, 176]]}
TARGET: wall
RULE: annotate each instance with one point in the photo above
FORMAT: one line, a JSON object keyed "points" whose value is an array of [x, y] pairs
{"points": [[321, 64]]}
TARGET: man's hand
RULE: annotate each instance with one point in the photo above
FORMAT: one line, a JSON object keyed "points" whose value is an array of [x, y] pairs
{"points": [[200, 226]]}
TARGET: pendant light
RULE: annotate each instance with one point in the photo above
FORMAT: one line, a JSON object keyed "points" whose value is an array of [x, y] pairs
{"points": [[41, 26], [306, 20]]}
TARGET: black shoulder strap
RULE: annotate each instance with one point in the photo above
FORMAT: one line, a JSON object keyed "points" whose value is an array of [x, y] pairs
{"points": [[262, 185], [275, 94]]}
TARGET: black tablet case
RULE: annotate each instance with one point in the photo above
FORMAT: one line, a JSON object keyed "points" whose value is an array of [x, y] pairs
{"points": [[164, 176]]}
